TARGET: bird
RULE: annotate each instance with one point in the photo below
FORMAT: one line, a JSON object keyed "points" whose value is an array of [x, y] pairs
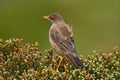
{"points": [[62, 40]]}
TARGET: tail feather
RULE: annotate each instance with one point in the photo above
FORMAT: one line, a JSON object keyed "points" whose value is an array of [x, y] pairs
{"points": [[75, 60]]}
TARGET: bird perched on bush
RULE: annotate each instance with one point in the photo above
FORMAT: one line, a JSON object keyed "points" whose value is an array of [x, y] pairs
{"points": [[62, 41]]}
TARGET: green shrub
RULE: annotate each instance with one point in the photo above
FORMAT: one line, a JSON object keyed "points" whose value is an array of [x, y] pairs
{"points": [[24, 61]]}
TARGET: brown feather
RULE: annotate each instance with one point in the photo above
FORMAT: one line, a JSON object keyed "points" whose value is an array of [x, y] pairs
{"points": [[65, 32], [75, 61]]}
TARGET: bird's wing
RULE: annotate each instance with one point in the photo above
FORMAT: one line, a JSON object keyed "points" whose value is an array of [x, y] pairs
{"points": [[65, 44]]}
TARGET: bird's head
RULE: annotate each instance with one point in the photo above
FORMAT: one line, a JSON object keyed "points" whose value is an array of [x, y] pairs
{"points": [[54, 18]]}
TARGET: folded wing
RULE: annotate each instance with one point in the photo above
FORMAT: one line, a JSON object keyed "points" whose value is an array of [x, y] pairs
{"points": [[67, 45]]}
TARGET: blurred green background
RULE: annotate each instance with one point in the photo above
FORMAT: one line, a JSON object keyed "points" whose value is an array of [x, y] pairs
{"points": [[96, 23]]}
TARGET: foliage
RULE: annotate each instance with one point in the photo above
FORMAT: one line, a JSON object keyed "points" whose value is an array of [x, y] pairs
{"points": [[24, 61]]}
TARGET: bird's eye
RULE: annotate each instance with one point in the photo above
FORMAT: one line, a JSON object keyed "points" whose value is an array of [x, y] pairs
{"points": [[52, 17]]}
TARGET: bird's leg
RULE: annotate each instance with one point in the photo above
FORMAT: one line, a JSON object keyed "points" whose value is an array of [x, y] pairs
{"points": [[61, 58]]}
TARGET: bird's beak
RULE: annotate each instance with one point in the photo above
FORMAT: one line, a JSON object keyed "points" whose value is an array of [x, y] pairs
{"points": [[46, 17]]}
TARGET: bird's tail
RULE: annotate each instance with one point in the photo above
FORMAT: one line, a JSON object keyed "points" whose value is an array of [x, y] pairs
{"points": [[75, 60]]}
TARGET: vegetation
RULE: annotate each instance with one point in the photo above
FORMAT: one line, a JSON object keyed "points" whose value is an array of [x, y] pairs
{"points": [[24, 61]]}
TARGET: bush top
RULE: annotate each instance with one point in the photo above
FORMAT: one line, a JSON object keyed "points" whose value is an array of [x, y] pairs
{"points": [[25, 61]]}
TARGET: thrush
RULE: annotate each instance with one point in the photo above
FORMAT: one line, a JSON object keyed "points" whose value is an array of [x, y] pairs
{"points": [[62, 40]]}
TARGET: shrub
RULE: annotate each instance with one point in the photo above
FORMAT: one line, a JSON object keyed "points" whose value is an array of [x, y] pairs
{"points": [[24, 61]]}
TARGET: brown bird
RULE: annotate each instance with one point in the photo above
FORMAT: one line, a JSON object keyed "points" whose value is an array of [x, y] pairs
{"points": [[62, 41]]}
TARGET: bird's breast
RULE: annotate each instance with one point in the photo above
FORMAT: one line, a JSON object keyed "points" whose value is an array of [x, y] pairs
{"points": [[55, 47]]}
